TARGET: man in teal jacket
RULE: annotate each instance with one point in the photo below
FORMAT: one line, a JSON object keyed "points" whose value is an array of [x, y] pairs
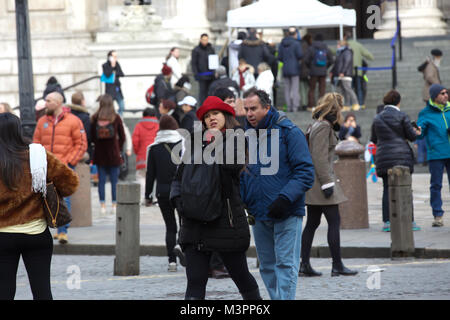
{"points": [[434, 121]]}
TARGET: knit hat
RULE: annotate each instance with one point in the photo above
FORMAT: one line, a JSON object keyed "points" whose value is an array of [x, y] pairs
{"points": [[214, 103], [436, 52], [435, 89], [166, 70]]}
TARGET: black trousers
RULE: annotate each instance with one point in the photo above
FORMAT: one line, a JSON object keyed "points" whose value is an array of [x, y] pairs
{"points": [[197, 267], [385, 201], [312, 223], [36, 252], [203, 90], [168, 213]]}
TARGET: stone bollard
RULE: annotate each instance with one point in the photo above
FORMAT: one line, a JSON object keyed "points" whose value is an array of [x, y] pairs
{"points": [[81, 208], [126, 262], [401, 210], [351, 171]]}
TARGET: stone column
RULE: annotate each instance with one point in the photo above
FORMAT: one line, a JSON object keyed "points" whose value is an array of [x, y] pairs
{"points": [[191, 19], [418, 18]]}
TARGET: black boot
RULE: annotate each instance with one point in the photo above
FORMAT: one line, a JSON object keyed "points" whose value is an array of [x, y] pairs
{"points": [[340, 269], [307, 271], [251, 295]]}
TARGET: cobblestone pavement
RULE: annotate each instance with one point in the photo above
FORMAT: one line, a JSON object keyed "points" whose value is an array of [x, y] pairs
{"points": [[401, 279]]}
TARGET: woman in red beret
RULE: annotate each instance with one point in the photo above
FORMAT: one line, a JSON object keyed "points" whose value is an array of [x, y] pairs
{"points": [[228, 232]]}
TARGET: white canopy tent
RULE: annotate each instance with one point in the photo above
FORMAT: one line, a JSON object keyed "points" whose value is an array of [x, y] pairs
{"points": [[291, 13]]}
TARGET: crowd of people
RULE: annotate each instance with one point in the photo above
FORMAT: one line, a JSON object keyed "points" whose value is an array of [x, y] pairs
{"points": [[208, 208]]}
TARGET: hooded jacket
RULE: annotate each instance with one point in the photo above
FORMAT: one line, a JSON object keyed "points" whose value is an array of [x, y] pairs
{"points": [[255, 51], [290, 53], [390, 130], [344, 62], [66, 139], [434, 120], [295, 174], [314, 70], [23, 205], [143, 135], [200, 62]]}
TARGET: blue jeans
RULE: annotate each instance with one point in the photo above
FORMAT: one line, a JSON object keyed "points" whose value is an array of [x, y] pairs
{"points": [[63, 229], [120, 102], [103, 172], [437, 171], [421, 150], [278, 245]]}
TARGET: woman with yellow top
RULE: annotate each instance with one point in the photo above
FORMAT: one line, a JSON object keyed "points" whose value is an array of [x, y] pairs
{"points": [[24, 172]]}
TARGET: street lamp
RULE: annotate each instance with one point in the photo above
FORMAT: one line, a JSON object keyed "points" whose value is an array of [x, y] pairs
{"points": [[24, 59]]}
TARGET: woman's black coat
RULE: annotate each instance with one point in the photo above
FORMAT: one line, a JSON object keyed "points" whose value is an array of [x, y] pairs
{"points": [[219, 235], [390, 130]]}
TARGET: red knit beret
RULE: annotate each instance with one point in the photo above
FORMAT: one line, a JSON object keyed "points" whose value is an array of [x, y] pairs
{"points": [[166, 70], [214, 103]]}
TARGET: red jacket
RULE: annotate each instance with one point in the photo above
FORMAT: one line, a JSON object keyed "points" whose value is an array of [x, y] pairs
{"points": [[66, 139], [144, 135]]}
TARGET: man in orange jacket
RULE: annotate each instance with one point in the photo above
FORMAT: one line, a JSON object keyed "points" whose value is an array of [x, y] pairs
{"points": [[63, 134]]}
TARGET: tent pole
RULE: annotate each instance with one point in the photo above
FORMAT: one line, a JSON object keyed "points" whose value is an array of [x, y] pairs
{"points": [[354, 33], [229, 42], [341, 32]]}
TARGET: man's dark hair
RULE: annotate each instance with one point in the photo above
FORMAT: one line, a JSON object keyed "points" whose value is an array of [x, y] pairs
{"points": [[204, 35], [223, 93], [242, 35], [263, 97], [392, 98], [149, 112], [110, 53]]}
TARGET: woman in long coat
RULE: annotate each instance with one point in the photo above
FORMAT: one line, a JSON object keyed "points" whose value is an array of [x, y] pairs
{"points": [[326, 193]]}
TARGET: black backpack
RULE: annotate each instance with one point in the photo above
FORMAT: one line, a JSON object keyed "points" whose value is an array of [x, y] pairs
{"points": [[201, 192], [422, 67]]}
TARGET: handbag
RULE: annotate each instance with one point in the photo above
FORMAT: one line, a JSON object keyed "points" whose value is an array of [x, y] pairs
{"points": [[55, 209], [123, 170], [111, 79]]}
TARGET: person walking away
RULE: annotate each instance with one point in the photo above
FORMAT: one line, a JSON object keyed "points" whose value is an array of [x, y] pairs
{"points": [[233, 51], [326, 193], [254, 51], [78, 108], [174, 64], [200, 66], [161, 168], [306, 42], [108, 137], [244, 76], [344, 71], [318, 58], [350, 130], [143, 136], [163, 88], [223, 81], [359, 54], [391, 129], [290, 53], [434, 121], [229, 232], [265, 80], [276, 199], [430, 70], [23, 227], [62, 134], [112, 66]]}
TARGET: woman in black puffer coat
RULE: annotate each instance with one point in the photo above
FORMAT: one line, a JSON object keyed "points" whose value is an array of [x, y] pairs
{"points": [[390, 131], [229, 233]]}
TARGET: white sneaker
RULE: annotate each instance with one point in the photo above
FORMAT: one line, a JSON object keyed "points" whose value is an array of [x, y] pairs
{"points": [[113, 209], [172, 267], [102, 210]]}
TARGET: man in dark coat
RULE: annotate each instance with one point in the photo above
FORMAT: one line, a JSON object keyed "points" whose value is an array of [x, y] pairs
{"points": [[290, 53], [318, 58], [53, 86], [113, 89], [254, 51], [200, 66]]}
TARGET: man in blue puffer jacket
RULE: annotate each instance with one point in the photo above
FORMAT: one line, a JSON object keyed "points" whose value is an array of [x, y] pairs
{"points": [[276, 198], [435, 123]]}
